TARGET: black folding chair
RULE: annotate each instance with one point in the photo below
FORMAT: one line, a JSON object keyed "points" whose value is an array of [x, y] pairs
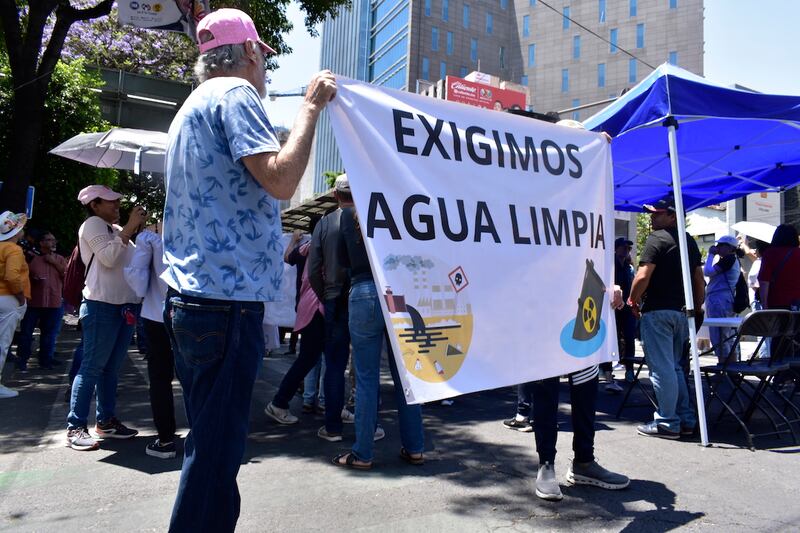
{"points": [[638, 363], [750, 380]]}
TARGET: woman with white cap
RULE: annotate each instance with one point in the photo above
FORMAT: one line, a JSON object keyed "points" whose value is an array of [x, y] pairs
{"points": [[15, 285], [722, 269]]}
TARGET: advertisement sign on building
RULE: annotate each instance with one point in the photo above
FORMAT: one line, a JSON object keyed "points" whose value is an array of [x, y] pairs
{"points": [[764, 207], [481, 95], [171, 15]]}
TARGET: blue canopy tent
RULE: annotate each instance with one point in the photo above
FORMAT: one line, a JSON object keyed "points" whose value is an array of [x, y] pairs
{"points": [[677, 133]]}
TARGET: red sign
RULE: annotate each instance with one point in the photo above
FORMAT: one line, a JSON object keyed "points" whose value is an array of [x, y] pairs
{"points": [[480, 95]]}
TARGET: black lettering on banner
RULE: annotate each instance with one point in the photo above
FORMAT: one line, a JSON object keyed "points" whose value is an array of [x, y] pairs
{"points": [[559, 234], [462, 217], [535, 226], [530, 153], [554, 170], [376, 200], [601, 236], [429, 232], [580, 226], [400, 131], [486, 159], [515, 227], [456, 141], [481, 213], [433, 137], [501, 154], [578, 171]]}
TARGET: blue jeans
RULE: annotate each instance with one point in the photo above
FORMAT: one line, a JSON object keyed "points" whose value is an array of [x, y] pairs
{"points": [[367, 331], [337, 352], [77, 359], [719, 304], [49, 321], [106, 337], [664, 335], [313, 390], [218, 347]]}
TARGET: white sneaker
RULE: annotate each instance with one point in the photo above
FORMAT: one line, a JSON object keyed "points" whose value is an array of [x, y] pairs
{"points": [[5, 392], [281, 416], [348, 417], [379, 434]]}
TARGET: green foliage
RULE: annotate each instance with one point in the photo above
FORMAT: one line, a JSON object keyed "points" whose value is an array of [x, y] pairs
{"points": [[643, 229], [330, 177], [71, 108]]}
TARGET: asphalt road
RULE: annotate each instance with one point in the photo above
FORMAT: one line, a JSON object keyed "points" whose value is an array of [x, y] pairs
{"points": [[478, 475]]}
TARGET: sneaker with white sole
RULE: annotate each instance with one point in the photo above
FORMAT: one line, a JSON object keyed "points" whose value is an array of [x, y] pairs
{"points": [[379, 434], [162, 451], [330, 437], [595, 475], [348, 417], [114, 429], [5, 392], [516, 424], [279, 415], [546, 484], [80, 439]]}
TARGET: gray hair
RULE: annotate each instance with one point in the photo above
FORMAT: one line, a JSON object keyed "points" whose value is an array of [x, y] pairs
{"points": [[220, 61]]}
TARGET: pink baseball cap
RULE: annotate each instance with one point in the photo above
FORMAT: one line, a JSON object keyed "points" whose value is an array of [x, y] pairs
{"points": [[227, 26], [93, 192]]}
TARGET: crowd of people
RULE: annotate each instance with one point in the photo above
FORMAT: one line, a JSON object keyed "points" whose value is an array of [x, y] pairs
{"points": [[200, 280]]}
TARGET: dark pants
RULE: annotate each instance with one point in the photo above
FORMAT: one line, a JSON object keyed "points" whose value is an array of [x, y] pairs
{"points": [[583, 398], [311, 344], [525, 399], [49, 321], [218, 347], [161, 371], [626, 339], [337, 352]]}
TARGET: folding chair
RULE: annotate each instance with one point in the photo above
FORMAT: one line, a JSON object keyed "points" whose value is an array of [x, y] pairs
{"points": [[787, 390], [775, 324], [639, 363]]}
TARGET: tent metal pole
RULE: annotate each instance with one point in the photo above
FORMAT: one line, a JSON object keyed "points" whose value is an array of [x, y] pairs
{"points": [[687, 276]]}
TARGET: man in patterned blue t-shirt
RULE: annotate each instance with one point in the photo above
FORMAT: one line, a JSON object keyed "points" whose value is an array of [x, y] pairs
{"points": [[225, 173]]}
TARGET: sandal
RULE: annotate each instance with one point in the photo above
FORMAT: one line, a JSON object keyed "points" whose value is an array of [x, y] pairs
{"points": [[415, 459], [350, 461]]}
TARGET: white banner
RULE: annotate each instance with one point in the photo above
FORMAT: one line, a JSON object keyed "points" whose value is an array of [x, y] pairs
{"points": [[172, 15], [490, 237]]}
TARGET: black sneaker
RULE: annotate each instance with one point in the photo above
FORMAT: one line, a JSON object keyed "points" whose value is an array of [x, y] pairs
{"points": [[114, 429], [162, 451], [689, 432], [519, 425], [654, 429]]}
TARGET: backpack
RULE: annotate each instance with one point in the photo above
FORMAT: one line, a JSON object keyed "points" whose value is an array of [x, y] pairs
{"points": [[741, 296], [75, 277]]}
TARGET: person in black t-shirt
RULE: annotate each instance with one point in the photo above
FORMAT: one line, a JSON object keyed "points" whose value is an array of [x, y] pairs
{"points": [[657, 297]]}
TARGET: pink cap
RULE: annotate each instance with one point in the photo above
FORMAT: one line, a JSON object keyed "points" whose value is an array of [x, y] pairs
{"points": [[93, 192], [227, 26]]}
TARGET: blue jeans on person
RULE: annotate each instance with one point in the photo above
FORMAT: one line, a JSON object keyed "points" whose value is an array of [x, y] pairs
{"points": [[337, 352], [310, 352], [367, 332], [313, 390], [49, 321], [719, 304], [77, 359], [218, 347], [106, 337], [664, 336]]}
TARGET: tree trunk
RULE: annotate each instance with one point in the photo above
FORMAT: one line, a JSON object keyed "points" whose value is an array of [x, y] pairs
{"points": [[26, 130]]}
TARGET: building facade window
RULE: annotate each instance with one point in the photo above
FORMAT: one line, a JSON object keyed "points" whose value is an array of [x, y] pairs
{"points": [[445, 10], [576, 47], [533, 3], [473, 50], [449, 43], [673, 4], [531, 55], [640, 35], [632, 8], [462, 72], [502, 57], [503, 4], [434, 38], [465, 16], [601, 10], [526, 26], [489, 23], [576, 115], [523, 80], [442, 70], [632, 71], [601, 74], [673, 58], [564, 80], [613, 36], [426, 68], [565, 18], [427, 8]]}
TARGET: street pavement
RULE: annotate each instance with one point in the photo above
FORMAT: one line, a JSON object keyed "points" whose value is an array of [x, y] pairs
{"points": [[478, 475]]}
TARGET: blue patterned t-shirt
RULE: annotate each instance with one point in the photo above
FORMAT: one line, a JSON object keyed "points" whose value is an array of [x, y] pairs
{"points": [[222, 230]]}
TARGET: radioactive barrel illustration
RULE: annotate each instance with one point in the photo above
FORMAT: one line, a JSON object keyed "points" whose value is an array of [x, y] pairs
{"points": [[590, 305]]}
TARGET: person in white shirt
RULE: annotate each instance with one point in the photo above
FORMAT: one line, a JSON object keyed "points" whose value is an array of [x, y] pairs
{"points": [[107, 313]]}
